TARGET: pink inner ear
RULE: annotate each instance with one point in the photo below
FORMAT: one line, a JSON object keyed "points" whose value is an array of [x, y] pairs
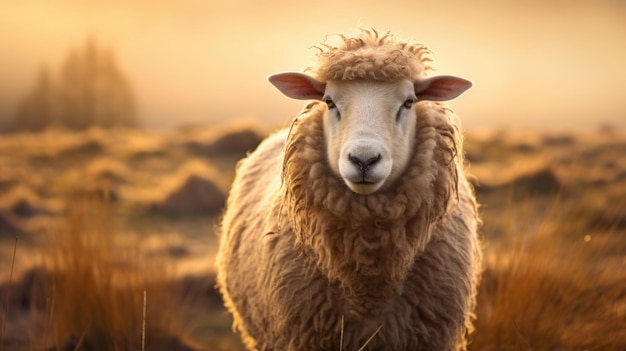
{"points": [[298, 86], [441, 88]]}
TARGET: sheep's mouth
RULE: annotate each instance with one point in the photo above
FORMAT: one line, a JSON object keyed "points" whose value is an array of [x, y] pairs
{"points": [[367, 182], [364, 181], [364, 178], [364, 186]]}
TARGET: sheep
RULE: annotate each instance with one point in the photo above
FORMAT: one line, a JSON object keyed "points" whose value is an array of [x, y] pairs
{"points": [[356, 227]]}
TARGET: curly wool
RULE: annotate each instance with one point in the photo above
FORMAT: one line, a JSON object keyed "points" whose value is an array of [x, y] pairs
{"points": [[376, 235], [306, 264], [370, 56]]}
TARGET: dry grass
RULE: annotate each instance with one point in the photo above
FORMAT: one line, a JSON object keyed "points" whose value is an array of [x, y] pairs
{"points": [[96, 294], [551, 283], [5, 316], [555, 265]]}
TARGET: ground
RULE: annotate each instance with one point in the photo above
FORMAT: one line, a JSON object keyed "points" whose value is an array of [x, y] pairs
{"points": [[107, 239]]}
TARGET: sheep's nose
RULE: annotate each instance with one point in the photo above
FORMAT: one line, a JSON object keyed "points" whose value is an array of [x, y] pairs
{"points": [[364, 164]]}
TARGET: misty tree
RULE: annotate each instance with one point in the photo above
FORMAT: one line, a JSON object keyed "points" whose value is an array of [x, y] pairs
{"points": [[90, 90], [93, 91], [36, 110]]}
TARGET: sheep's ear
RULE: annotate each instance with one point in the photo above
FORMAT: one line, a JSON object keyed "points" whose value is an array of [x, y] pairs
{"points": [[440, 88], [298, 86]]}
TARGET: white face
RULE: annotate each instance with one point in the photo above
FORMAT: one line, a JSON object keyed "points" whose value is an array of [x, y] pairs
{"points": [[370, 125], [370, 131]]}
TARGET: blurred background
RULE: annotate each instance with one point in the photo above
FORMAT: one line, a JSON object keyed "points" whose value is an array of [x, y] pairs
{"points": [[121, 124], [537, 64]]}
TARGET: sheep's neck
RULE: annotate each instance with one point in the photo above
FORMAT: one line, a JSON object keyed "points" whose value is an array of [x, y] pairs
{"points": [[370, 299], [366, 244], [368, 264]]}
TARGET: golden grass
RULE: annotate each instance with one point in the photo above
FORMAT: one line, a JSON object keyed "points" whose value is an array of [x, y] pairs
{"points": [[551, 283], [5, 316], [105, 295], [555, 266]]}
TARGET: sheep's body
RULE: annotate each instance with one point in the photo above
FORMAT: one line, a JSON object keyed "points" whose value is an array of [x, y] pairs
{"points": [[307, 264]]}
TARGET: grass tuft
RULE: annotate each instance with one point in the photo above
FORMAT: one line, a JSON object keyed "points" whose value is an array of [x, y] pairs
{"points": [[551, 284], [5, 318], [99, 288]]}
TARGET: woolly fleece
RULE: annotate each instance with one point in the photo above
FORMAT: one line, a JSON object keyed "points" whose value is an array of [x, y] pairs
{"points": [[306, 264], [370, 56]]}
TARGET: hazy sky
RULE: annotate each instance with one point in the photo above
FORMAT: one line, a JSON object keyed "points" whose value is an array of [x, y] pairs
{"points": [[540, 64]]}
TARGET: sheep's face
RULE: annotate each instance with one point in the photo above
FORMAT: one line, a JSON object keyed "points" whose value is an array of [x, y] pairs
{"points": [[369, 125], [369, 129]]}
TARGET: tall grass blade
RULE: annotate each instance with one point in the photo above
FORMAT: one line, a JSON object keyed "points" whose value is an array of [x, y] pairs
{"points": [[143, 326], [341, 335], [6, 309], [370, 338]]}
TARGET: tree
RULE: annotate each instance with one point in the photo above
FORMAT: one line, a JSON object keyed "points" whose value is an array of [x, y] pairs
{"points": [[36, 110], [91, 91]]}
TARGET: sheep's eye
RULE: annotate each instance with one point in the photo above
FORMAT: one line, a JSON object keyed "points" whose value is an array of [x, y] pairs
{"points": [[406, 105], [329, 103], [409, 102]]}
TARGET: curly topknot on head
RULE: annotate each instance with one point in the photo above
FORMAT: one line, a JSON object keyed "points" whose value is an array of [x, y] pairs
{"points": [[371, 56]]}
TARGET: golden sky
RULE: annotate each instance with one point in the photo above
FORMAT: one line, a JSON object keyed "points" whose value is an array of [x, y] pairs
{"points": [[557, 64]]}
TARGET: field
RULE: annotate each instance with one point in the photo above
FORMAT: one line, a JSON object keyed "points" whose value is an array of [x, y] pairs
{"points": [[107, 239]]}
